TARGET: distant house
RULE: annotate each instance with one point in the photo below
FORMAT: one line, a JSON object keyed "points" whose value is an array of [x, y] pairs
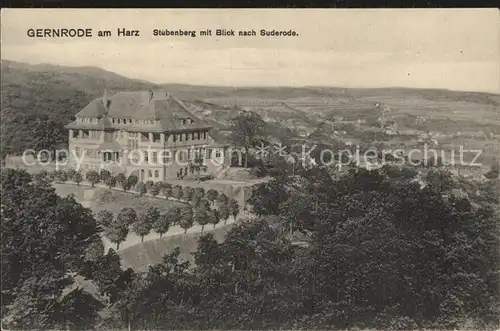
{"points": [[150, 134]]}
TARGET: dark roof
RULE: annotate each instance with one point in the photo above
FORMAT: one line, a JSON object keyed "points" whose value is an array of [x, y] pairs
{"points": [[142, 105]]}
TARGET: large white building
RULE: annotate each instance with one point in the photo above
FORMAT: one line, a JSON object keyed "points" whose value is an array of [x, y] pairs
{"points": [[150, 134]]}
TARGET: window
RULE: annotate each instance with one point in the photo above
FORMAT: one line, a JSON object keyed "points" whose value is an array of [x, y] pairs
{"points": [[179, 153], [198, 135], [113, 120], [174, 137], [119, 121], [154, 156], [204, 135], [150, 174], [157, 174], [108, 136], [180, 136], [193, 136], [183, 121], [217, 153], [187, 136], [156, 137], [146, 157], [167, 157], [95, 135]]}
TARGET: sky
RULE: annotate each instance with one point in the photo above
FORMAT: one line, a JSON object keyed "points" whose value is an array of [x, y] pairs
{"points": [[457, 49]]}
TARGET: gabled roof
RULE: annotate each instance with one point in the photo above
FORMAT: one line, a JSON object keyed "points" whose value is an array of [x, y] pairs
{"points": [[141, 105]]}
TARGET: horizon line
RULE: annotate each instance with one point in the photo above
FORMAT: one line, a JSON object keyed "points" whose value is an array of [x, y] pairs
{"points": [[253, 86]]}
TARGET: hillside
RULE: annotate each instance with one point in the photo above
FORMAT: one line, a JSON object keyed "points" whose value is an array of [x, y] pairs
{"points": [[37, 100]]}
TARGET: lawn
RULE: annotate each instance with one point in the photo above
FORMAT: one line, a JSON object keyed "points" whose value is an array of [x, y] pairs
{"points": [[99, 199]]}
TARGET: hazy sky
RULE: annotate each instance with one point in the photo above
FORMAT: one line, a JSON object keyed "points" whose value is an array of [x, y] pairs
{"points": [[454, 49]]}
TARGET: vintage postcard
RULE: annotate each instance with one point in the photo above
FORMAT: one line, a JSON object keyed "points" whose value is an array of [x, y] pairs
{"points": [[250, 169]]}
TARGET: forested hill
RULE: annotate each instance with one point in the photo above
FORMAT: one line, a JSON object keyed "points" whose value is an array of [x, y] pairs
{"points": [[35, 97]]}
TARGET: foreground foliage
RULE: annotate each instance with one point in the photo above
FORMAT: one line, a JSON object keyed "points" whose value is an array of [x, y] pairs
{"points": [[382, 251]]}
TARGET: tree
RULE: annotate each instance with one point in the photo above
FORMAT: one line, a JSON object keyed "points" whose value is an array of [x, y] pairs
{"points": [[186, 218], [199, 192], [104, 218], [222, 199], [200, 216], [109, 277], [77, 178], [233, 207], [246, 128], [224, 212], [267, 197], [149, 185], [209, 252], [441, 180], [213, 217], [155, 190], [93, 177], [132, 180], [162, 224], [110, 181], [48, 134], [195, 201], [141, 188], [187, 193], [44, 237], [95, 251], [142, 226], [104, 175], [196, 166], [116, 232], [177, 192], [494, 171], [61, 175], [79, 310], [166, 189], [71, 173], [174, 215], [212, 195], [127, 215], [43, 177], [152, 214], [122, 180]]}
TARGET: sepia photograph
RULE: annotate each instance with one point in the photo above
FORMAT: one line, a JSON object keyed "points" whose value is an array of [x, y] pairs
{"points": [[286, 169]]}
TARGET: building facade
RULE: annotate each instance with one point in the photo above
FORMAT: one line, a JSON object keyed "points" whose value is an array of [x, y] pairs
{"points": [[150, 134]]}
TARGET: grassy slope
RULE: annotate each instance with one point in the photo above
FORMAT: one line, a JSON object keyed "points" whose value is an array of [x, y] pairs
{"points": [[135, 254]]}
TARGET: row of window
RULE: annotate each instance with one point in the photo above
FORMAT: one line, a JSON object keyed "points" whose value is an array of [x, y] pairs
{"points": [[89, 120], [150, 173], [197, 135], [185, 121], [110, 136], [132, 121], [86, 134]]}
